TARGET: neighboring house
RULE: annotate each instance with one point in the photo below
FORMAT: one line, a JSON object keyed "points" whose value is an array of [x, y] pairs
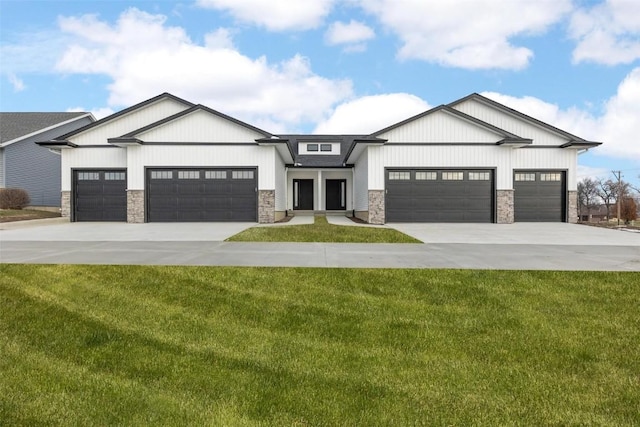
{"points": [[167, 159], [596, 213], [25, 165]]}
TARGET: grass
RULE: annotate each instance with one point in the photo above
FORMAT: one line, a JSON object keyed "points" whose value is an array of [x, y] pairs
{"points": [[9, 215], [143, 345], [322, 231]]}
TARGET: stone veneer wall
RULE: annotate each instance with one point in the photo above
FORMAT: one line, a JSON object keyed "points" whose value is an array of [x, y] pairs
{"points": [[135, 206], [504, 206], [573, 207], [65, 204], [266, 206], [376, 207]]}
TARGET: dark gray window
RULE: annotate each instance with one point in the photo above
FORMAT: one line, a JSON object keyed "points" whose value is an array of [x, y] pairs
{"points": [[161, 174], [525, 177], [242, 174], [325, 147], [88, 176], [188, 174], [426, 176], [399, 176], [557, 176], [215, 175], [452, 176], [114, 176], [478, 176], [312, 147]]}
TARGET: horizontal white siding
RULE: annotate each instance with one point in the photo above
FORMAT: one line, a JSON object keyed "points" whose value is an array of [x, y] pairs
{"points": [[134, 120], [442, 127], [549, 158], [440, 157], [510, 123], [361, 182], [95, 157], [201, 156], [200, 126]]}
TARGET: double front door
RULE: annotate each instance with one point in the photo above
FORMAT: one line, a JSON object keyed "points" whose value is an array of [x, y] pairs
{"points": [[335, 194]]}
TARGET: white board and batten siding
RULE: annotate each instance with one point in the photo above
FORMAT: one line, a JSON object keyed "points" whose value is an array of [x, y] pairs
{"points": [[510, 123], [194, 156], [200, 127], [440, 127], [361, 182], [280, 182], [129, 122], [109, 157]]}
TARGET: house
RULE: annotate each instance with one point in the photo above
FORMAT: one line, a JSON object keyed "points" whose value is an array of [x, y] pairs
{"points": [[29, 167], [167, 159]]}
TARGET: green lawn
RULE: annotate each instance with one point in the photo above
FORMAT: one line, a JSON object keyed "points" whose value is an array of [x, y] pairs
{"points": [[141, 345], [8, 215], [322, 231]]}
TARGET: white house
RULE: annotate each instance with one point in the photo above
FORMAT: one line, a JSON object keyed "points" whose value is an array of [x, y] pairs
{"points": [[167, 159]]}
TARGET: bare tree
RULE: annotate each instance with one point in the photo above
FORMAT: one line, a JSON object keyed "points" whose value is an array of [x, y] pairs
{"points": [[607, 191], [588, 196], [628, 210]]}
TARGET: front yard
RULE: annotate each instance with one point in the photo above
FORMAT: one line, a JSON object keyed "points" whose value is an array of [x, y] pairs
{"points": [[141, 345], [9, 215]]}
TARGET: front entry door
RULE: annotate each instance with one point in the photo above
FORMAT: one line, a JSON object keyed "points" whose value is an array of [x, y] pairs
{"points": [[303, 194], [336, 195]]}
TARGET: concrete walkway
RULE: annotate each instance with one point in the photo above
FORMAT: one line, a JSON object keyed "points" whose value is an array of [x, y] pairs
{"points": [[481, 246]]}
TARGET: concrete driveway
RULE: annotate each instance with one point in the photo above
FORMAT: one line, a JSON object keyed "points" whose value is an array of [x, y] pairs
{"points": [[480, 246]]}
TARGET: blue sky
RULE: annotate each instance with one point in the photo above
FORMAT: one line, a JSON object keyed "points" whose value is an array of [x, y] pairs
{"points": [[328, 66]]}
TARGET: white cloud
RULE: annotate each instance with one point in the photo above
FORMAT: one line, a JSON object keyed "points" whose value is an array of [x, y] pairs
{"points": [[474, 34], [275, 15], [352, 34], [98, 113], [371, 113], [591, 172], [618, 127], [144, 57], [608, 33], [16, 82]]}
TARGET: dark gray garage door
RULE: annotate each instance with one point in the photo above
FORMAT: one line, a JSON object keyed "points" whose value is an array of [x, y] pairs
{"points": [[100, 195], [192, 195], [539, 196], [439, 195]]}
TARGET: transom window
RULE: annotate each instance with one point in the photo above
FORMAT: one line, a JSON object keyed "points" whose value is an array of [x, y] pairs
{"points": [[452, 176], [161, 174], [242, 174], [478, 176], [525, 177], [556, 176], [188, 174], [312, 147], [426, 176], [88, 176], [325, 147], [215, 174], [398, 176], [114, 176]]}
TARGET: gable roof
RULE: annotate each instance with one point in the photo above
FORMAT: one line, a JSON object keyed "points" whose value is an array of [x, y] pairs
{"points": [[574, 140], [321, 160], [123, 112], [17, 126], [198, 107], [507, 136]]}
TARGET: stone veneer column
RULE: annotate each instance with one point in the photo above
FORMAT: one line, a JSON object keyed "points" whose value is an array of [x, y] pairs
{"points": [[376, 207], [266, 206], [135, 206], [65, 204], [573, 207], [504, 206]]}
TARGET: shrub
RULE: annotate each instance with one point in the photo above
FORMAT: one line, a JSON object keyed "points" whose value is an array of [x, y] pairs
{"points": [[13, 198], [628, 210]]}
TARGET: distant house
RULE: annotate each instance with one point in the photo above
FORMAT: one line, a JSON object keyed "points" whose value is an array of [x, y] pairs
{"points": [[169, 160], [594, 214], [23, 164]]}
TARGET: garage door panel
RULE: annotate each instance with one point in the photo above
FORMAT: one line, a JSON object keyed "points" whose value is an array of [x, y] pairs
{"points": [[423, 195], [538, 199], [213, 194], [100, 195]]}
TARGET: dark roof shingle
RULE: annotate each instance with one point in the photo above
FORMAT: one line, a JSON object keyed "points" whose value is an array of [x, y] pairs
{"points": [[15, 125]]}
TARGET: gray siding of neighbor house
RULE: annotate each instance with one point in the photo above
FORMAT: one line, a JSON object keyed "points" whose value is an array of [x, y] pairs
{"points": [[1, 167], [36, 169]]}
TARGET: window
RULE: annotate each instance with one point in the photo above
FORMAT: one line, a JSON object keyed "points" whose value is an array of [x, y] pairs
{"points": [[525, 177], [88, 176], [312, 147], [452, 176], [557, 176], [161, 174], [426, 176], [188, 174], [242, 174], [114, 176], [325, 147], [215, 175], [478, 176], [397, 176]]}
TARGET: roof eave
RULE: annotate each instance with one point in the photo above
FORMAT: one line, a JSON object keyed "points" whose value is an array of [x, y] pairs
{"points": [[515, 142], [581, 144], [124, 142], [57, 144]]}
